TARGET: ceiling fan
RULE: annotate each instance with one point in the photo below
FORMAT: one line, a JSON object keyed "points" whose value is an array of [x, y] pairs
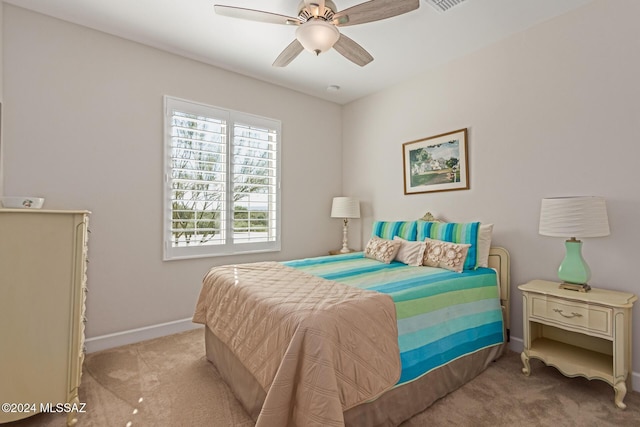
{"points": [[318, 22]]}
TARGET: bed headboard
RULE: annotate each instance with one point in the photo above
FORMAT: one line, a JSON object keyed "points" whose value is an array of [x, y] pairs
{"points": [[499, 259]]}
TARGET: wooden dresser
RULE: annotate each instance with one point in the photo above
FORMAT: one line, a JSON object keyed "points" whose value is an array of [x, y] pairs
{"points": [[43, 255]]}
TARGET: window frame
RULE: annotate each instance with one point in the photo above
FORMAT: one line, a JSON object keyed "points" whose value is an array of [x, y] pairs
{"points": [[228, 247]]}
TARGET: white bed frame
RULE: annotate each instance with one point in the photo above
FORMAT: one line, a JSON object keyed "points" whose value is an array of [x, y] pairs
{"points": [[500, 261]]}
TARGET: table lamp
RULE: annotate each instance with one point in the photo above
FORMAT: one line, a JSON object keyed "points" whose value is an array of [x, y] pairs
{"points": [[573, 218], [345, 208]]}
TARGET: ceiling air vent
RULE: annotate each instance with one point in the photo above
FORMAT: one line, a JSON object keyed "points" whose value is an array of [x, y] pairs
{"points": [[443, 5]]}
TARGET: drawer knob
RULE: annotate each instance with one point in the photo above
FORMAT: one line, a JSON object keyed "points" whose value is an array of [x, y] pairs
{"points": [[568, 316]]}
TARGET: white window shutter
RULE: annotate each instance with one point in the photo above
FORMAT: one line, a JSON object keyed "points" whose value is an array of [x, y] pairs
{"points": [[222, 186]]}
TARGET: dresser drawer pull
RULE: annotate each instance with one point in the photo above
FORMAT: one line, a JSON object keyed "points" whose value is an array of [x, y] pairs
{"points": [[573, 314]]}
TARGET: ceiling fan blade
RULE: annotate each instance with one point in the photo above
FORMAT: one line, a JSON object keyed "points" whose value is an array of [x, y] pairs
{"points": [[288, 54], [315, 7], [255, 15], [352, 51], [374, 10]]}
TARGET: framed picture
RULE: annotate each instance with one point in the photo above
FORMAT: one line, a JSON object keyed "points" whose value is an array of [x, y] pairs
{"points": [[437, 163]]}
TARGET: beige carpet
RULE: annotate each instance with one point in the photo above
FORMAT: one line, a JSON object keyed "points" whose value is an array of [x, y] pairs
{"points": [[168, 382]]}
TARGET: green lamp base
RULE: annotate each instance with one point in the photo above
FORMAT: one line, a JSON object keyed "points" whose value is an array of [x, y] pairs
{"points": [[574, 271]]}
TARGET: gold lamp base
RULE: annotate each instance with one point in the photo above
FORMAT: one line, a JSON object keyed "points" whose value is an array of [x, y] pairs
{"points": [[575, 287]]}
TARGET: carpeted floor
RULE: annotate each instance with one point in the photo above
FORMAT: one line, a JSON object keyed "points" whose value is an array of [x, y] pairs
{"points": [[168, 382]]}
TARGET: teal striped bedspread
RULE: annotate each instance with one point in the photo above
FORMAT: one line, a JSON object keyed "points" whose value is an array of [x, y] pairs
{"points": [[442, 315]]}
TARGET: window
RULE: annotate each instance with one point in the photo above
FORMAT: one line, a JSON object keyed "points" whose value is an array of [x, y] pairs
{"points": [[222, 181]]}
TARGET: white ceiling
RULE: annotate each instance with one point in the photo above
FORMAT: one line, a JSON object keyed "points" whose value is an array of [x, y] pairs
{"points": [[402, 46]]}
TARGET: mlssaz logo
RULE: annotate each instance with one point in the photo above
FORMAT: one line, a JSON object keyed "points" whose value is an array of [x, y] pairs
{"points": [[63, 407]]}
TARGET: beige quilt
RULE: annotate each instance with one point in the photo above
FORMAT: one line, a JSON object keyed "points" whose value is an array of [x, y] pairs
{"points": [[317, 347]]}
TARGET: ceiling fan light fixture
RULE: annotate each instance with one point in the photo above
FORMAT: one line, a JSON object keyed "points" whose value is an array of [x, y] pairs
{"points": [[317, 35]]}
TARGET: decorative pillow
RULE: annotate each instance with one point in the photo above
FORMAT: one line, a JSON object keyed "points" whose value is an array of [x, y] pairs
{"points": [[410, 253], [390, 229], [382, 250], [484, 244], [447, 255], [455, 233]]}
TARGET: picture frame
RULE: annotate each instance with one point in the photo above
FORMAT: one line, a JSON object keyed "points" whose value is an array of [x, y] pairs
{"points": [[436, 163]]}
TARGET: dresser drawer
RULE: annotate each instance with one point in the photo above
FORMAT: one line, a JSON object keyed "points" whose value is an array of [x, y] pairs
{"points": [[577, 316]]}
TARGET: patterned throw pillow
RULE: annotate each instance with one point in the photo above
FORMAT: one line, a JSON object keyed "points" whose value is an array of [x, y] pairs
{"points": [[445, 254], [382, 250], [455, 233]]}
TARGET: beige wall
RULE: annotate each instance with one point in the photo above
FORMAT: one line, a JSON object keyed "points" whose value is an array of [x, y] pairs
{"points": [[83, 128], [551, 111]]}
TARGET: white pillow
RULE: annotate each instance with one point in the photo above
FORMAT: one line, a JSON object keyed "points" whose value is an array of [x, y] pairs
{"points": [[484, 244], [410, 253]]}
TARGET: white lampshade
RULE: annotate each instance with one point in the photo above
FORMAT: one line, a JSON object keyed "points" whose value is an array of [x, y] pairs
{"points": [[574, 217], [317, 35], [345, 207]]}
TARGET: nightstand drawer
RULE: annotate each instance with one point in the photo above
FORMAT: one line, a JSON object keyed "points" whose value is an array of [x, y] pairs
{"points": [[595, 320]]}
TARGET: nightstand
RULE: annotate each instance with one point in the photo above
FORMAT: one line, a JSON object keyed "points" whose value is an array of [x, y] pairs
{"points": [[581, 334], [338, 252]]}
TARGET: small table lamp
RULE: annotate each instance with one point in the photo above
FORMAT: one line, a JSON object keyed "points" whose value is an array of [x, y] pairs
{"points": [[345, 208], [574, 217]]}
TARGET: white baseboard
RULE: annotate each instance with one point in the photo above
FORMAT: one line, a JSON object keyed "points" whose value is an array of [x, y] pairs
{"points": [[117, 339], [517, 345]]}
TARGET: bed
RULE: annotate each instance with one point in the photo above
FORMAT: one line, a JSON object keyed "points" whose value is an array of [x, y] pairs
{"points": [[354, 339]]}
